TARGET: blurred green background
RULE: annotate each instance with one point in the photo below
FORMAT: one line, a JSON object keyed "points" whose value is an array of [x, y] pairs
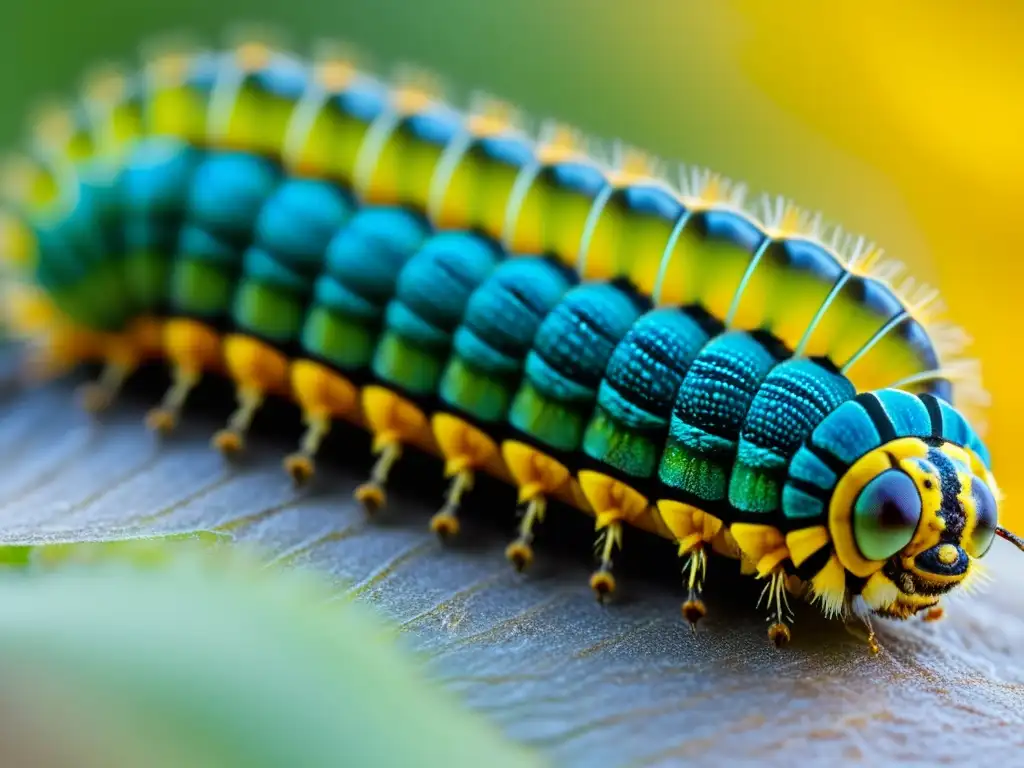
{"points": [[901, 120]]}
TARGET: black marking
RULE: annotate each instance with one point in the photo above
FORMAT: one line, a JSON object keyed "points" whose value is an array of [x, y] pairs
{"points": [[934, 412], [876, 411], [829, 459], [822, 494], [814, 564]]}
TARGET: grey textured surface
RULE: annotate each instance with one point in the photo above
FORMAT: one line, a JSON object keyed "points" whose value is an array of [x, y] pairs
{"points": [[625, 684]]}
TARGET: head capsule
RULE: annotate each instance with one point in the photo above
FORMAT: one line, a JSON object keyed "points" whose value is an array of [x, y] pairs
{"points": [[904, 488]]}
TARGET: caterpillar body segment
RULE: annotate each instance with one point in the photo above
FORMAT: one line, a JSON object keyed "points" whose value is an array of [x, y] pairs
{"points": [[737, 379]]}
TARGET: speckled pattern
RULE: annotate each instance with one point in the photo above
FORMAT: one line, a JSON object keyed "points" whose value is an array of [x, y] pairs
{"points": [[627, 684]]}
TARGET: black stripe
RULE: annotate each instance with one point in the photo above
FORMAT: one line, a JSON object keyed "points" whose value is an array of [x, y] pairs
{"points": [[810, 489], [879, 417], [829, 459], [812, 566], [934, 412]]}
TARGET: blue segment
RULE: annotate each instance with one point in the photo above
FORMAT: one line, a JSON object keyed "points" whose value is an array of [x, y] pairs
{"points": [[154, 185], [807, 467], [727, 226], [503, 315], [648, 366], [298, 222], [810, 257], [576, 177], [848, 433], [576, 341], [264, 267], [797, 504], [647, 200], [908, 414], [364, 259], [437, 282], [507, 150], [955, 429], [363, 100], [227, 193]]}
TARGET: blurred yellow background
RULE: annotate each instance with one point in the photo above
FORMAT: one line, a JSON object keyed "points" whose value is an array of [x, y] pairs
{"points": [[904, 121]]}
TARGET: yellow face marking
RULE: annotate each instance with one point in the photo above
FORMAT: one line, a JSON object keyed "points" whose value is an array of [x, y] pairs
{"points": [[880, 592], [948, 554], [805, 542], [907, 451], [829, 587]]}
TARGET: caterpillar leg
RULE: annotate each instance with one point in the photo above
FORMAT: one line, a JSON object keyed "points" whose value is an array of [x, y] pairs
{"points": [[323, 395], [394, 422], [520, 551], [765, 547], [192, 349], [780, 617], [537, 476], [466, 450], [614, 503], [100, 394], [694, 531], [258, 370], [123, 352]]}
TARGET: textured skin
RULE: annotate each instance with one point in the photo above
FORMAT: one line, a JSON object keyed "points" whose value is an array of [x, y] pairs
{"points": [[623, 685]]}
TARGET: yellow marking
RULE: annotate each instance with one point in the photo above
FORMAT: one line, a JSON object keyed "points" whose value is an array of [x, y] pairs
{"points": [[805, 542], [256, 365], [335, 74], [948, 554], [559, 143], [535, 474], [393, 419], [193, 346], [763, 545], [864, 470], [253, 55], [463, 446], [491, 117], [829, 588], [322, 391], [880, 593], [612, 500], [689, 525]]}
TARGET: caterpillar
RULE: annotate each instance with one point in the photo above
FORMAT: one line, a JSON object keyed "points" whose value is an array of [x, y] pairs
{"points": [[739, 378]]}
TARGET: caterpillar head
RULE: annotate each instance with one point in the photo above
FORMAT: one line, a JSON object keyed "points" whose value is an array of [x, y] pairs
{"points": [[903, 485], [913, 516]]}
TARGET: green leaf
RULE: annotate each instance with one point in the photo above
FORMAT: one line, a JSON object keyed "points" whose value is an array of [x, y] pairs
{"points": [[216, 661]]}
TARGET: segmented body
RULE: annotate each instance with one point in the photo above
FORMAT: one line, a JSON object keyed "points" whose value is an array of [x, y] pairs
{"points": [[656, 356]]}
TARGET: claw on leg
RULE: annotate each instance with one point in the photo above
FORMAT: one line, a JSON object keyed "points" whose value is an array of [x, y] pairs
{"points": [[302, 464], [99, 395], [780, 617], [520, 551], [231, 440], [446, 522], [602, 581], [164, 418], [696, 570], [371, 494]]}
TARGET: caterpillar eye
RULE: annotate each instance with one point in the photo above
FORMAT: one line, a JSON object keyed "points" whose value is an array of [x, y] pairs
{"points": [[986, 517], [886, 514]]}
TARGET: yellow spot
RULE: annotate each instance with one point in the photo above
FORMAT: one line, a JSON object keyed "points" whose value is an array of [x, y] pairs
{"points": [[371, 496], [694, 610], [948, 554], [336, 74], [612, 501], [763, 545], [520, 554], [558, 143], [491, 117], [805, 542], [253, 55]]}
